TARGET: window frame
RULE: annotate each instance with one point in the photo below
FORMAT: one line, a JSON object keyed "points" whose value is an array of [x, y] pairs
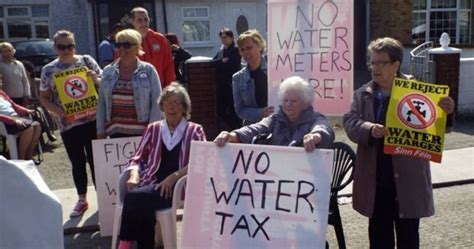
{"points": [[206, 43], [457, 9], [29, 17]]}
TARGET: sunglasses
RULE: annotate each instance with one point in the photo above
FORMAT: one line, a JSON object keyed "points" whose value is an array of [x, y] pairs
{"points": [[64, 47], [125, 45]]}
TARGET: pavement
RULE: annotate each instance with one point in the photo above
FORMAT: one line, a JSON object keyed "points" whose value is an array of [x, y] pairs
{"points": [[457, 168]]}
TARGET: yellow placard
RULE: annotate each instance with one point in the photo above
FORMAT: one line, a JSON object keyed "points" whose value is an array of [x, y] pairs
{"points": [[415, 122], [76, 92]]}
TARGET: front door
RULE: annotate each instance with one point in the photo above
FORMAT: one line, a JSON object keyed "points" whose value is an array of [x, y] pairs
{"points": [[242, 17], [110, 12]]}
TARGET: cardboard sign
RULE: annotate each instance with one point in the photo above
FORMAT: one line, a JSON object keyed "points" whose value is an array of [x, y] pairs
{"points": [[247, 196], [314, 40], [415, 122], [110, 159], [77, 93]]}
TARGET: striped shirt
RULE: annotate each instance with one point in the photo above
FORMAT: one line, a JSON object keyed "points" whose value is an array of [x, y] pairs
{"points": [[124, 115], [147, 157]]}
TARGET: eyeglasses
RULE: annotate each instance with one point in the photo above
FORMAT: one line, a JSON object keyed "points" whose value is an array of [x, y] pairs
{"points": [[172, 103], [63, 47], [125, 45], [379, 64]]}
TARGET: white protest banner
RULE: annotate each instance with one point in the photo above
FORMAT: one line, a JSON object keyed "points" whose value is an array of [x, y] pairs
{"points": [[314, 40], [248, 196], [110, 158]]}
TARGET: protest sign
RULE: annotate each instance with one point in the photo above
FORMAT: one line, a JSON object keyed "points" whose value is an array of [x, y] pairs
{"points": [[314, 40], [77, 93], [110, 159], [415, 122], [248, 196]]}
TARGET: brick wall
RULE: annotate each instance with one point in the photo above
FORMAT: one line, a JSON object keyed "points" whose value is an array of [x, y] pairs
{"points": [[391, 18], [447, 73], [201, 88]]}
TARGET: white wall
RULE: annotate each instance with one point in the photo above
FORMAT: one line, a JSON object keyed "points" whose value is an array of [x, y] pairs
{"points": [[466, 87]]}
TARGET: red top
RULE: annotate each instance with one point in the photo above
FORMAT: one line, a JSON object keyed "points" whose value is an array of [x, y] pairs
{"points": [[158, 53]]}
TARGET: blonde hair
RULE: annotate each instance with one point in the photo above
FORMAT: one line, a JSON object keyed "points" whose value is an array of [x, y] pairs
{"points": [[177, 89], [63, 34], [132, 36], [255, 36]]}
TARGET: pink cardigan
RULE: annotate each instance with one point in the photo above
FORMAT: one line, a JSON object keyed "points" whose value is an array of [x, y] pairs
{"points": [[20, 110], [147, 158]]}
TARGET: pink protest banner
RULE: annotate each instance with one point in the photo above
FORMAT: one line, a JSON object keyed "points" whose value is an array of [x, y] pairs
{"points": [[314, 40], [248, 196]]}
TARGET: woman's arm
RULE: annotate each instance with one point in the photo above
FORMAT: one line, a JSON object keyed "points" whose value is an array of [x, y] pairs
{"points": [[243, 111], [358, 130], [321, 135]]}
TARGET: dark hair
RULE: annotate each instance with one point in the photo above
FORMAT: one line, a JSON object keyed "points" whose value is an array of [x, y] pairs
{"points": [[227, 32], [118, 27], [172, 38], [29, 67]]}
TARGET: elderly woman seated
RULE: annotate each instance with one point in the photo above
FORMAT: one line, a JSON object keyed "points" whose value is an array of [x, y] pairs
{"points": [[15, 118], [160, 160], [295, 121]]}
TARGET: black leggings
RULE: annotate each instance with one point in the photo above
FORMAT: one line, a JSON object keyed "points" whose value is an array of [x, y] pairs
{"points": [[78, 143], [138, 216]]}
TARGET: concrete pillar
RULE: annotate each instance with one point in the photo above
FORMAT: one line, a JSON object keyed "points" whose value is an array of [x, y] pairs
{"points": [[447, 63], [201, 87]]}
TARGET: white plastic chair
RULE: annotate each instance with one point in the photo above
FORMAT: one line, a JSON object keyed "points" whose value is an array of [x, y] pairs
{"points": [[165, 217], [11, 141]]}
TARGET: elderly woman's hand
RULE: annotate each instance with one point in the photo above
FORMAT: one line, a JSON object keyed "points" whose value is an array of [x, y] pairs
{"points": [[378, 131], [133, 180], [267, 111], [311, 140], [166, 186], [225, 137], [447, 104]]}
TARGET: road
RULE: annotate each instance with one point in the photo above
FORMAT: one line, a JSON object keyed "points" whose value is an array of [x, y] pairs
{"points": [[451, 227]]}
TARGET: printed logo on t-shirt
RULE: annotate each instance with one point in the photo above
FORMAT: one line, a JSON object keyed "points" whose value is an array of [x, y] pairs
{"points": [[155, 47]]}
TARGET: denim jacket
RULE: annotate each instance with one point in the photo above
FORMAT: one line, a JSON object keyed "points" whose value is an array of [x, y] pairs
{"points": [[146, 90], [243, 87]]}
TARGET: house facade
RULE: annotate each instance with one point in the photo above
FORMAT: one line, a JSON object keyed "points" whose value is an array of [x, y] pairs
{"points": [[197, 23]]}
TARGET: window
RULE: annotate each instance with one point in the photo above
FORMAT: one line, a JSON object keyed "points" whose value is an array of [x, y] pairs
{"points": [[195, 27], [24, 22], [433, 17]]}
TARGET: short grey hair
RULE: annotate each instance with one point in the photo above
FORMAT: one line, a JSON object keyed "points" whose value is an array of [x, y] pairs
{"points": [[305, 89], [176, 88], [7, 45]]}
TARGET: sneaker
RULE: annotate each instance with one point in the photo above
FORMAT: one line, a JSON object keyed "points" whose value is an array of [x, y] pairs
{"points": [[79, 209]]}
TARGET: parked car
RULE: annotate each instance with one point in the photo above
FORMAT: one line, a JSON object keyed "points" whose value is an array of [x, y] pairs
{"points": [[38, 52]]}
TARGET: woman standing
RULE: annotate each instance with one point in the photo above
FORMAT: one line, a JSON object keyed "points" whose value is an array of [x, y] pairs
{"points": [[76, 135], [129, 91], [160, 160], [180, 55], [15, 80], [393, 191], [250, 84]]}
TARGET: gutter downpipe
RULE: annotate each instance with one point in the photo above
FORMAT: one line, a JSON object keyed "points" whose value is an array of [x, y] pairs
{"points": [[165, 19]]}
